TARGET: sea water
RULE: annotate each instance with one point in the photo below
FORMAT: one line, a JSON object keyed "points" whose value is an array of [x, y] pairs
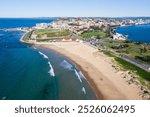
{"points": [[138, 33], [35, 73]]}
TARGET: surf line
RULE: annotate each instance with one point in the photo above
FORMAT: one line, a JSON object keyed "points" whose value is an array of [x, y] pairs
{"points": [[51, 71], [83, 90], [65, 64]]}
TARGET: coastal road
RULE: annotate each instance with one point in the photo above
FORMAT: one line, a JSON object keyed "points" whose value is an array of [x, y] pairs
{"points": [[138, 64], [126, 58], [132, 61]]}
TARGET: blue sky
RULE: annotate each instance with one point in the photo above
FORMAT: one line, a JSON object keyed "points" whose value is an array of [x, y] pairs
{"points": [[93, 8]]}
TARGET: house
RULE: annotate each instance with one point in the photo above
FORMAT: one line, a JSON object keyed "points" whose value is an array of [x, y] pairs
{"points": [[41, 26], [71, 39], [118, 36], [67, 39]]}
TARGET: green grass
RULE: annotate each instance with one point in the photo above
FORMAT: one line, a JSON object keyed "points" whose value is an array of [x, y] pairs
{"points": [[132, 50], [46, 40], [108, 53], [110, 43], [93, 34], [144, 75], [51, 32]]}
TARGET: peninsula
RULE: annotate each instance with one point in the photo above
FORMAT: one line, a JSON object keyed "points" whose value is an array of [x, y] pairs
{"points": [[102, 54]]}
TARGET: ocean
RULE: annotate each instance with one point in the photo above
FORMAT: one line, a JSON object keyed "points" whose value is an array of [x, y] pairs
{"points": [[35, 73], [137, 33]]}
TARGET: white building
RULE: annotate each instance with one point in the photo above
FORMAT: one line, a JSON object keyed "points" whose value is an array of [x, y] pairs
{"points": [[41, 26], [118, 36]]}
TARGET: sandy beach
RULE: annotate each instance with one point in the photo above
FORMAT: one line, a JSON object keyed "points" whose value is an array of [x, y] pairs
{"points": [[107, 83]]}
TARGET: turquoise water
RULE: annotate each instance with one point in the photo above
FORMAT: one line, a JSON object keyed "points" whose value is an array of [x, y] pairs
{"points": [[138, 33], [34, 73]]}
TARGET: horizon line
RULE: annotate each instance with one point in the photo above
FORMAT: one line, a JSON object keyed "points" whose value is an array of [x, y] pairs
{"points": [[81, 17]]}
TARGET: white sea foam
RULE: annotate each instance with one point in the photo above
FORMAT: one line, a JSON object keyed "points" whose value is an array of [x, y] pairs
{"points": [[65, 64], [78, 75], [81, 74], [84, 91], [34, 48], [46, 57], [51, 71]]}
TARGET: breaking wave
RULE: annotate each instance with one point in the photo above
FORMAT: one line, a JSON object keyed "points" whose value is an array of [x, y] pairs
{"points": [[35, 48], [51, 71], [46, 57], [78, 75], [65, 64], [81, 74], [84, 91]]}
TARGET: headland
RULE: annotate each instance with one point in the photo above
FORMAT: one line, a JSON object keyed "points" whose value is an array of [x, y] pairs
{"points": [[86, 44]]}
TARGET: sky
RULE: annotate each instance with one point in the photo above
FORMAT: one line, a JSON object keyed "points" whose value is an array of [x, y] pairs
{"points": [[74, 8]]}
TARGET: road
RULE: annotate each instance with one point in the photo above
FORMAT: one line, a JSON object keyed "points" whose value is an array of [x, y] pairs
{"points": [[138, 64], [126, 58]]}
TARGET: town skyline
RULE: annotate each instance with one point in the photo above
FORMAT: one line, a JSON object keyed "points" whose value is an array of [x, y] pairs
{"points": [[78, 8]]}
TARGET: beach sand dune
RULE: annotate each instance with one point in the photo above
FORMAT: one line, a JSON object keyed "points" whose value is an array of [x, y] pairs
{"points": [[97, 67]]}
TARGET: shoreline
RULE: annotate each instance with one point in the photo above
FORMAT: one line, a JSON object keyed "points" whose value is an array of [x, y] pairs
{"points": [[132, 40], [99, 78], [98, 94], [100, 81]]}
